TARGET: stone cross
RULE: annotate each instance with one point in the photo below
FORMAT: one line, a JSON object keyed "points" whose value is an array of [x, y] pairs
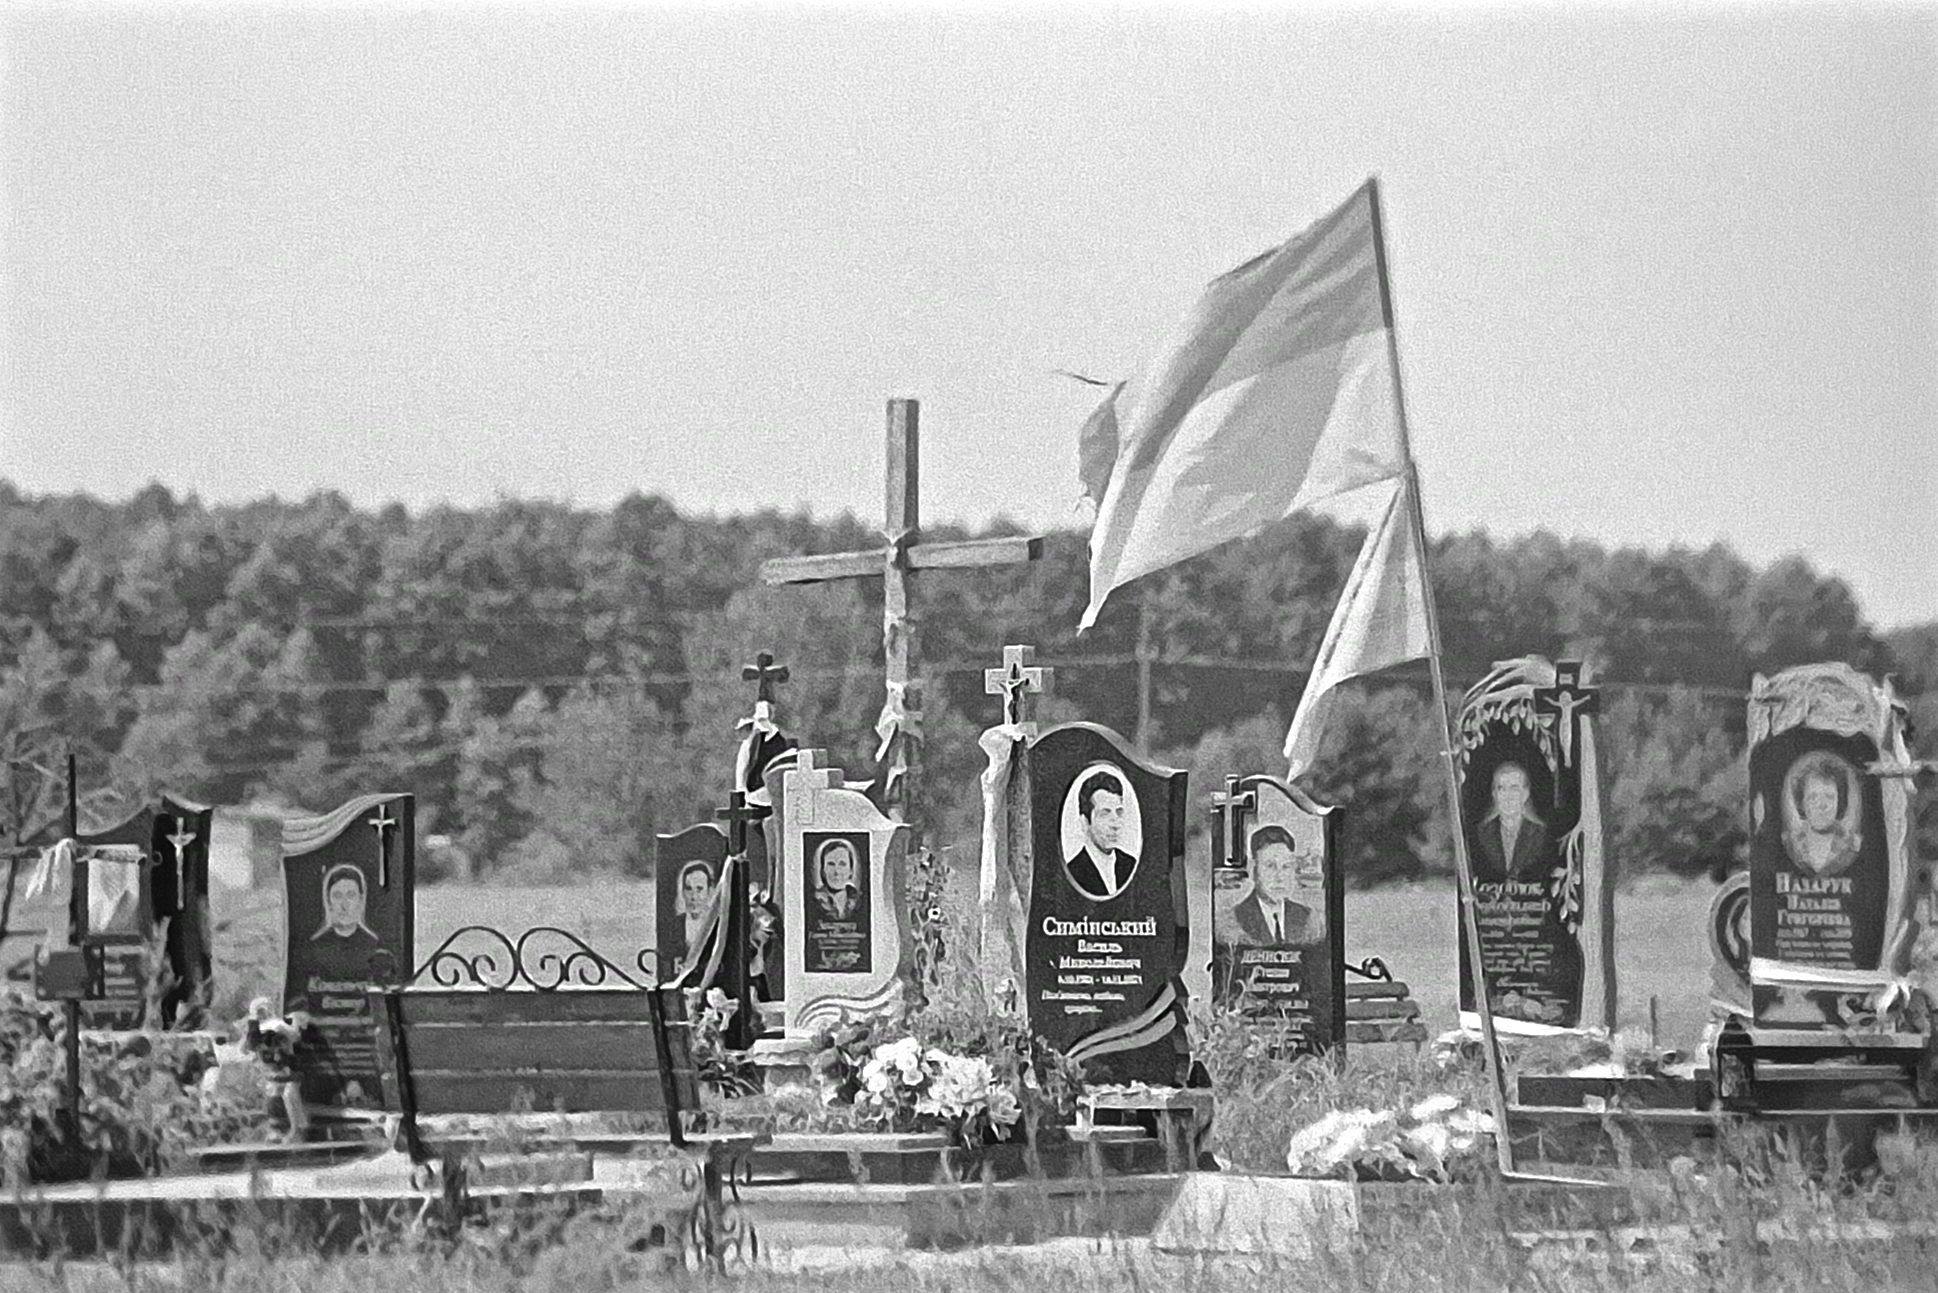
{"points": [[896, 563], [382, 822], [1567, 698], [1016, 681], [1229, 808], [764, 673]]}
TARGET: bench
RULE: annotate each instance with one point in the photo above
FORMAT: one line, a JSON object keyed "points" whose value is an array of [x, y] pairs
{"points": [[1382, 1008], [520, 1030]]}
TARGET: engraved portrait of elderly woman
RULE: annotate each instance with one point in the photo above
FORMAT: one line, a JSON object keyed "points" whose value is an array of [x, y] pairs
{"points": [[1821, 814]]}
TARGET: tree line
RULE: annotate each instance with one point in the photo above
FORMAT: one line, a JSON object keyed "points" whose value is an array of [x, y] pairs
{"points": [[556, 683]]}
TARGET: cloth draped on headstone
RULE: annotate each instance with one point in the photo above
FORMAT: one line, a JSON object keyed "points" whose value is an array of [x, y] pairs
{"points": [[116, 879], [1005, 890]]}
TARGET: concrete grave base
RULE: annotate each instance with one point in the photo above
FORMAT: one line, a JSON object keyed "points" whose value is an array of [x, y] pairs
{"points": [[1284, 1216]]}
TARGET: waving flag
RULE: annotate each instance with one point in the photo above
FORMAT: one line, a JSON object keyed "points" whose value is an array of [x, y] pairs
{"points": [[1278, 392], [1381, 620]]}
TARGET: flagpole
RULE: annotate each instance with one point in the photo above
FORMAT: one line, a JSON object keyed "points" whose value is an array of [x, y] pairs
{"points": [[1463, 866]]}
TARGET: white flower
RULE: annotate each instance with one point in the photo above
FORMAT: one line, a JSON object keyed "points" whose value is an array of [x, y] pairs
{"points": [[1434, 1106], [1004, 1107]]}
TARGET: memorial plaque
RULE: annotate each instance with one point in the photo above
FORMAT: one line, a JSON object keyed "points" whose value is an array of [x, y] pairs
{"points": [[349, 887], [1108, 933], [1530, 804], [1830, 881], [848, 946], [686, 869], [1278, 914]]}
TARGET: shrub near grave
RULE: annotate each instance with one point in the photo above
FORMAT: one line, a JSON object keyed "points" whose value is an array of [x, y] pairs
{"points": [[141, 1107]]}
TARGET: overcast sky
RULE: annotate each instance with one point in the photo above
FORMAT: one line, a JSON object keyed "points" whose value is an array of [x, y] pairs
{"points": [[1660, 276]]}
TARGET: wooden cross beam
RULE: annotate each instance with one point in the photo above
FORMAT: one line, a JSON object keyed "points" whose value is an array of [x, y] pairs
{"points": [[1019, 678], [896, 563]]}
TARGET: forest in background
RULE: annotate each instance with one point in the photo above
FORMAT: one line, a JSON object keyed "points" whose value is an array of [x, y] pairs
{"points": [[558, 683]]}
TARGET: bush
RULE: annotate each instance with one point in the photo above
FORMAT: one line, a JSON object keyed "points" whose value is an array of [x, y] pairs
{"points": [[141, 1105]]}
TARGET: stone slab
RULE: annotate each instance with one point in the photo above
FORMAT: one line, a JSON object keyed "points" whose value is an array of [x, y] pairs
{"points": [[958, 1215], [1284, 1216]]}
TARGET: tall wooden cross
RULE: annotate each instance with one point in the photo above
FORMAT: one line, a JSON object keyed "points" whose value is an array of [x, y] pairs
{"points": [[1018, 678], [1228, 811], [896, 564]]}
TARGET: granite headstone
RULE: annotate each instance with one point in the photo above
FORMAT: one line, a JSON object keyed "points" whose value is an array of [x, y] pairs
{"points": [[349, 889], [1278, 914], [1108, 931]]}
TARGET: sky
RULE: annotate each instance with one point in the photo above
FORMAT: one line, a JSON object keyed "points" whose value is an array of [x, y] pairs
{"points": [[1661, 275]]}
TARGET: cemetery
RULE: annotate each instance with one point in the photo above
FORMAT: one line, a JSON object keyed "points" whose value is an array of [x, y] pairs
{"points": [[1141, 1010]]}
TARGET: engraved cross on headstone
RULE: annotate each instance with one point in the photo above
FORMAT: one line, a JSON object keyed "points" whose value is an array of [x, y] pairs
{"points": [[1229, 808], [1016, 681], [896, 564], [1568, 698], [181, 839], [382, 822]]}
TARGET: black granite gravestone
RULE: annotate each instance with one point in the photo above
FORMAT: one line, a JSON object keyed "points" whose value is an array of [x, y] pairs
{"points": [[686, 868], [1108, 926], [1827, 898], [1278, 914], [122, 908], [349, 889], [1530, 808]]}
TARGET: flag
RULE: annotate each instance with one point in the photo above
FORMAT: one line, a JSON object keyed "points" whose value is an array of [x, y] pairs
{"points": [[1381, 620], [1278, 392]]}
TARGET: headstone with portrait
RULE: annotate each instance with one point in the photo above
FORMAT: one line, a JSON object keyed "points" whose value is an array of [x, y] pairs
{"points": [[686, 870], [1108, 931], [848, 948], [141, 882], [1278, 914], [1831, 885], [349, 891], [1531, 807]]}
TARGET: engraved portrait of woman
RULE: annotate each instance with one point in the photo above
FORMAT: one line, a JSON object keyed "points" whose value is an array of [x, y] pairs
{"points": [[1820, 814]]}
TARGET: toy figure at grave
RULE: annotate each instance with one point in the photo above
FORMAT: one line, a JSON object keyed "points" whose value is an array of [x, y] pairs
{"points": [[1512, 842], [696, 906], [1820, 815], [343, 946], [1271, 916], [835, 892], [1100, 870]]}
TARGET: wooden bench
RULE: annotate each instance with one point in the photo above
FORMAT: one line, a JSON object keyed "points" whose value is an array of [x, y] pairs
{"points": [[1382, 1008], [554, 1033]]}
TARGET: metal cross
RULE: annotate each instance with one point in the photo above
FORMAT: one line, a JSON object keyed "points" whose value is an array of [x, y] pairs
{"points": [[1228, 811], [382, 821], [1016, 681], [739, 814], [765, 673], [1568, 698]]}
